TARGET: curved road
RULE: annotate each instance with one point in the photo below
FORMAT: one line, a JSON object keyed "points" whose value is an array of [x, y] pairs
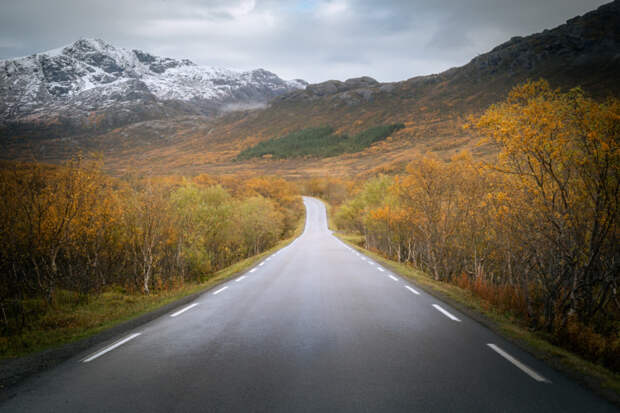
{"points": [[314, 328]]}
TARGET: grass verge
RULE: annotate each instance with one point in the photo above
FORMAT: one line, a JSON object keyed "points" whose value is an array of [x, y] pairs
{"points": [[601, 380], [70, 322]]}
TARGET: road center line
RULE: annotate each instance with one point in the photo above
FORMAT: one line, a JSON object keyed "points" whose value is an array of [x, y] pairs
{"points": [[393, 278], [517, 363], [240, 278], [110, 347], [444, 312], [189, 307], [219, 291], [380, 269], [413, 290]]}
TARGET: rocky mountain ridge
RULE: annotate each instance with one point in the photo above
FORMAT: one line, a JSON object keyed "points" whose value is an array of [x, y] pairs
{"points": [[91, 80], [584, 51]]}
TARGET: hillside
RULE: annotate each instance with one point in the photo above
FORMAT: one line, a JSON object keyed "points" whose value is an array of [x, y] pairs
{"points": [[585, 51]]}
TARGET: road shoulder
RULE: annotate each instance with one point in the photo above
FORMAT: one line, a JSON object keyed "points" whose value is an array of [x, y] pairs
{"points": [[601, 381]]}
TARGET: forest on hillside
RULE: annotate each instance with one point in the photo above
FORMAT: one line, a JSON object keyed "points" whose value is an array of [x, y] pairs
{"points": [[319, 142]]}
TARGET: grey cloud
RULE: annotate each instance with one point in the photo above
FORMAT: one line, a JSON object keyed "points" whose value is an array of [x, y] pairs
{"points": [[310, 39]]}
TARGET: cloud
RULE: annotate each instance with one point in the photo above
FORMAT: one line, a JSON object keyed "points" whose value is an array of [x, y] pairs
{"points": [[333, 8], [314, 40]]}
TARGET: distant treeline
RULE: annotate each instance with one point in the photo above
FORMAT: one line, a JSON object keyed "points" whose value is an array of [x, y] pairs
{"points": [[74, 229], [318, 142]]}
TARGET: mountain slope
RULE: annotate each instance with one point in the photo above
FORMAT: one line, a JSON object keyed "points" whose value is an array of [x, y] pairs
{"points": [[92, 85], [585, 51]]}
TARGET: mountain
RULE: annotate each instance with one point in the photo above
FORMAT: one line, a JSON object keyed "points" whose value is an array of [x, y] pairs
{"points": [[92, 85], [585, 52]]}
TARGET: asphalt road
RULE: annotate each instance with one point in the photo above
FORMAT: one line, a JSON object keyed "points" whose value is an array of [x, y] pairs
{"points": [[314, 328]]}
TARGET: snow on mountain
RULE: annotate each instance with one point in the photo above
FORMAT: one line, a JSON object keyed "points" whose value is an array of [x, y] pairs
{"points": [[91, 75]]}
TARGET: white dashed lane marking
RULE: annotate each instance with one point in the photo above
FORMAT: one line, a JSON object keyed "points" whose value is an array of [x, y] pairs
{"points": [[413, 290], [110, 348], [189, 307], [446, 313], [527, 370], [219, 291]]}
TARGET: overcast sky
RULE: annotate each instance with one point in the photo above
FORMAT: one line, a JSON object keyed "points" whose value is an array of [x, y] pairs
{"points": [[314, 40]]}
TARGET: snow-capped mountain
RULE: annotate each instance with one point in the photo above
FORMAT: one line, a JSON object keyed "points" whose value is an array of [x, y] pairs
{"points": [[91, 79]]}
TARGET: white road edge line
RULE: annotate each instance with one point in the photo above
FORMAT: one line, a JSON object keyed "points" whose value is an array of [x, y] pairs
{"points": [[253, 269], [219, 291], [240, 278], [447, 314], [110, 347], [520, 365], [413, 290], [393, 278], [189, 307], [261, 264], [380, 269]]}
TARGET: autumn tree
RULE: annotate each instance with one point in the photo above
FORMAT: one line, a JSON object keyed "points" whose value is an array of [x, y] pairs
{"points": [[260, 223], [561, 150]]}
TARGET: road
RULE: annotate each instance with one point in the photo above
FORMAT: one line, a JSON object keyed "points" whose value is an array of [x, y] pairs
{"points": [[316, 327]]}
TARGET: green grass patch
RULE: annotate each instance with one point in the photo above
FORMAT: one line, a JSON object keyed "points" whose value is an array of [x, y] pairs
{"points": [[318, 142], [70, 321]]}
